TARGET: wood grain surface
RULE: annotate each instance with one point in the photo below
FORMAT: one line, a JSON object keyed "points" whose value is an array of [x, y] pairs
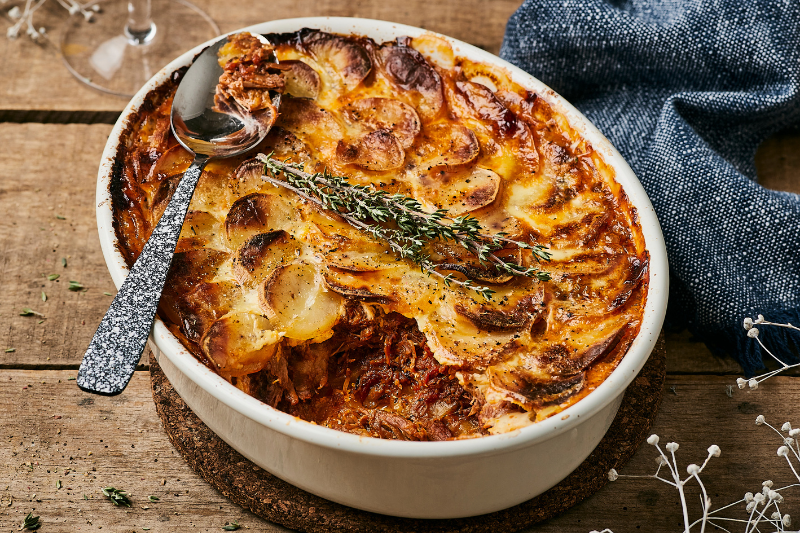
{"points": [[52, 133]]}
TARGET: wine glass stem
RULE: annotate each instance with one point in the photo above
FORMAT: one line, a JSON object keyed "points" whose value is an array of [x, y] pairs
{"points": [[140, 28]]}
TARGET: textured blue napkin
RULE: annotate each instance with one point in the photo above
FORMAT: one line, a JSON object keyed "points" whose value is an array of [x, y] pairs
{"points": [[686, 90]]}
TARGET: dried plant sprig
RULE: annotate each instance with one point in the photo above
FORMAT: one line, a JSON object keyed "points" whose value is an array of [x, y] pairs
{"points": [[368, 209], [753, 332], [762, 508], [23, 18]]}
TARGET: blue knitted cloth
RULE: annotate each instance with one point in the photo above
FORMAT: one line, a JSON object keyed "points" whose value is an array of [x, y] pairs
{"points": [[686, 90]]}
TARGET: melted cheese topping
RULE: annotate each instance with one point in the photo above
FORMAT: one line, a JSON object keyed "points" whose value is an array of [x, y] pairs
{"points": [[261, 276]]}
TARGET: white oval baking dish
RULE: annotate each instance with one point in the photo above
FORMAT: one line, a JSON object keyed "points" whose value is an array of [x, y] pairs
{"points": [[410, 479]]}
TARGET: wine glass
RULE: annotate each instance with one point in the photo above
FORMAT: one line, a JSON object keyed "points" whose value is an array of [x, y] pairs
{"points": [[115, 46]]}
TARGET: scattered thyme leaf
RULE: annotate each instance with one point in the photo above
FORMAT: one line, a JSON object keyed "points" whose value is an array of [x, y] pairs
{"points": [[75, 286], [108, 294], [61, 217], [233, 526], [31, 522], [85, 497], [117, 496], [674, 390], [30, 312], [44, 297], [153, 498], [9, 350], [72, 379], [40, 322], [53, 277], [64, 262], [58, 484]]}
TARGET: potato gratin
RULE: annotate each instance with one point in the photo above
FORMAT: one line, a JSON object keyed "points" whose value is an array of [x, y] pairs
{"points": [[299, 309]]}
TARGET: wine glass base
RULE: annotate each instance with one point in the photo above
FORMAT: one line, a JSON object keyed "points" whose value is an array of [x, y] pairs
{"points": [[103, 56]]}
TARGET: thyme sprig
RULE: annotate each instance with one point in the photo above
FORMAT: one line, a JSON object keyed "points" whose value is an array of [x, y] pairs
{"points": [[402, 223]]}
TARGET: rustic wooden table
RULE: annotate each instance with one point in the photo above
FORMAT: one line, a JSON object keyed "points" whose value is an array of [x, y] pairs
{"points": [[60, 446]]}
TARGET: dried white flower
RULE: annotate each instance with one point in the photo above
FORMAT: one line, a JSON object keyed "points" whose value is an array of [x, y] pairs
{"points": [[88, 15], [783, 451], [661, 460], [794, 432], [741, 382], [750, 506], [652, 440], [692, 469], [768, 483], [12, 32], [759, 319], [672, 447], [759, 498], [74, 8], [753, 384], [748, 323], [43, 30], [788, 441], [776, 515], [775, 496], [786, 426], [753, 333], [748, 496], [760, 420], [786, 520], [96, 8], [714, 450], [15, 13], [613, 475]]}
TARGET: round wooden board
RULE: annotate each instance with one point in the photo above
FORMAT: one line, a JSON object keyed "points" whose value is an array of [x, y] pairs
{"points": [[277, 501]]}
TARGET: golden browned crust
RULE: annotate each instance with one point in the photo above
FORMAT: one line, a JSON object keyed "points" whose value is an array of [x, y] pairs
{"points": [[299, 309]]}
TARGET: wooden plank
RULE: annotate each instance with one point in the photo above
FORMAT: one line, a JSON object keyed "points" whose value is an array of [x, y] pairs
{"points": [[35, 79], [778, 162], [54, 426], [49, 171]]}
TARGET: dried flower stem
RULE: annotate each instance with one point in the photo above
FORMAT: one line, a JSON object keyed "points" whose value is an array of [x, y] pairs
{"points": [[753, 332], [367, 209]]}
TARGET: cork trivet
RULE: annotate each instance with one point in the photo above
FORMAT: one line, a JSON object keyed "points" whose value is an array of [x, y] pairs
{"points": [[277, 501]]}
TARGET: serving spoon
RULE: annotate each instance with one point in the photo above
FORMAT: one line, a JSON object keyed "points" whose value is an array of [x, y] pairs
{"points": [[119, 341]]}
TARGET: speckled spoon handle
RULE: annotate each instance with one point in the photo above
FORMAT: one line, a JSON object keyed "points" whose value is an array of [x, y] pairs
{"points": [[119, 341]]}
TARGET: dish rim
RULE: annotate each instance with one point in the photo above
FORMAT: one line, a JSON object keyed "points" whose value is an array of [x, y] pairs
{"points": [[610, 389]]}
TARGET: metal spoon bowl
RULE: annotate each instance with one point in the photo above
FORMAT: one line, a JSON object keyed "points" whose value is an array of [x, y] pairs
{"points": [[121, 337]]}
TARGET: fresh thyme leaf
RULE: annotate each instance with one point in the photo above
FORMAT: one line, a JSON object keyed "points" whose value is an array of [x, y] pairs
{"points": [[44, 297], [58, 483], [53, 277], [75, 286], [108, 294], [10, 350], [117, 496], [64, 262], [31, 522], [61, 217], [153, 498], [40, 322], [403, 224], [30, 312], [72, 379], [233, 526], [85, 497]]}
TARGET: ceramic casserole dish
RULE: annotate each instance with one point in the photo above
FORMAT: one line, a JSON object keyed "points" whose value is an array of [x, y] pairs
{"points": [[446, 479]]}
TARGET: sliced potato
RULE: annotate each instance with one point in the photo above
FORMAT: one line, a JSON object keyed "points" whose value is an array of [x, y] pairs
{"points": [[260, 255], [302, 81], [445, 143], [255, 214], [342, 58], [409, 70], [240, 343], [200, 229], [298, 303], [175, 160], [379, 150], [384, 114], [460, 192]]}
